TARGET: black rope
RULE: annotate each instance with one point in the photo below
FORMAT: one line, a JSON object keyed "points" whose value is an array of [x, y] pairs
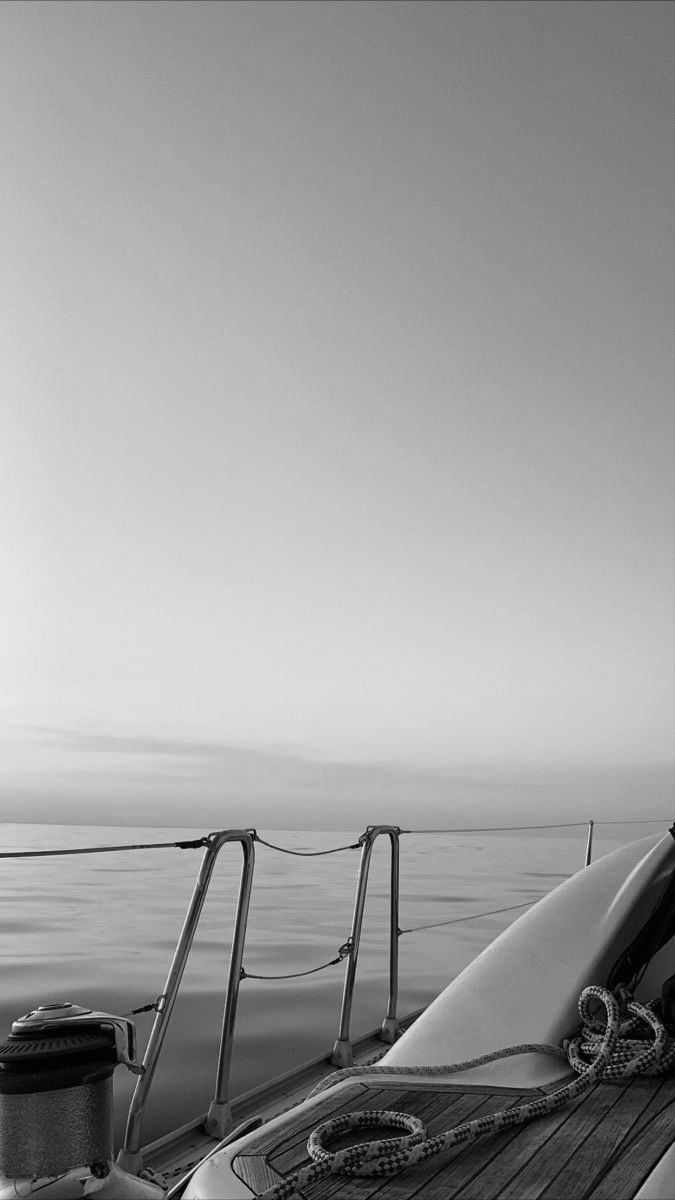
{"points": [[635, 821], [472, 917], [342, 953], [306, 853], [561, 825], [190, 845], [155, 1006], [501, 828], [49, 1183]]}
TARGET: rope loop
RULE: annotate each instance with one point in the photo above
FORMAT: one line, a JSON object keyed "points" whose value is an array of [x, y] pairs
{"points": [[634, 1053], [362, 1159]]}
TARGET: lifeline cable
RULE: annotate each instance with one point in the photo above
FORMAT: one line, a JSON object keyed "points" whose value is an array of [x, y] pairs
{"points": [[342, 954], [493, 912], [305, 853], [562, 825], [193, 844], [501, 828]]}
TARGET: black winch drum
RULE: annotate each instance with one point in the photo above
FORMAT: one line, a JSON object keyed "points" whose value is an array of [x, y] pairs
{"points": [[56, 1096]]}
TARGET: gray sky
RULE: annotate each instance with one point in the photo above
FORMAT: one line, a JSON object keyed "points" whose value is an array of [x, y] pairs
{"points": [[337, 390]]}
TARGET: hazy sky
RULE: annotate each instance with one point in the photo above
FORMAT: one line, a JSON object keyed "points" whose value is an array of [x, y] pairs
{"points": [[337, 397]]}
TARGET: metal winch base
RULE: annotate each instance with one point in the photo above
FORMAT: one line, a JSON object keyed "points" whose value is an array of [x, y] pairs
{"points": [[45, 1133]]}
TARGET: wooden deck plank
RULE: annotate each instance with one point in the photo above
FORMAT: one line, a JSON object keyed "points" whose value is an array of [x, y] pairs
{"points": [[647, 1141], [503, 1167], [661, 1095], [446, 1085], [640, 1100], [255, 1171], [606, 1132], [471, 1159], [565, 1142]]}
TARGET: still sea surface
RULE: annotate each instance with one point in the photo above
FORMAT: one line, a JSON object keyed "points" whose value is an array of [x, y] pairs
{"points": [[100, 930]]}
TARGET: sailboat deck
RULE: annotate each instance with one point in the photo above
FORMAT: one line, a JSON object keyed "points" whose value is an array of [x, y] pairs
{"points": [[600, 1147], [177, 1153]]}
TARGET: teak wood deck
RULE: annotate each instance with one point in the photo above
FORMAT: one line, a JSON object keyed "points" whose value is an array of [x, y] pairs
{"points": [[600, 1147]]}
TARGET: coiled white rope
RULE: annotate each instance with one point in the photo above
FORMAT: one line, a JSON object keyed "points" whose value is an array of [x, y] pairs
{"points": [[606, 1049]]}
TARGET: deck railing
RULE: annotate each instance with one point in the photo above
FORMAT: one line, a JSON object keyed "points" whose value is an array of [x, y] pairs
{"points": [[218, 1120], [342, 1051], [219, 1117]]}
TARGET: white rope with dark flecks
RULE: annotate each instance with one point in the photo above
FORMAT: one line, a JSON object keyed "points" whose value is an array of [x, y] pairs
{"points": [[605, 1050]]}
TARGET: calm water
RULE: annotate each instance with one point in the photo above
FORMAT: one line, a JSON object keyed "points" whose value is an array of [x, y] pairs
{"points": [[100, 930]]}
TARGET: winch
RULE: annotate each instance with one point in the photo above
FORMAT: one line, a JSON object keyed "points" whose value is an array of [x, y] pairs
{"points": [[56, 1104]]}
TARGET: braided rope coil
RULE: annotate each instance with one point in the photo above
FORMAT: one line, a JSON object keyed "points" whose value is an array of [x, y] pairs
{"points": [[632, 1055], [607, 1048]]}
